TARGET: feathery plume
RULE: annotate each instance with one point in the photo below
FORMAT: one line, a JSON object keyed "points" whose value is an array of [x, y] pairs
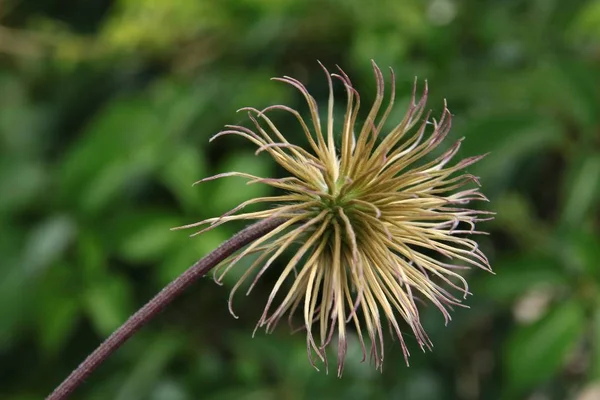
{"points": [[363, 217]]}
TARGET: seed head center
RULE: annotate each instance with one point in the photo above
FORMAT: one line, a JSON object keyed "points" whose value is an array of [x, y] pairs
{"points": [[337, 199]]}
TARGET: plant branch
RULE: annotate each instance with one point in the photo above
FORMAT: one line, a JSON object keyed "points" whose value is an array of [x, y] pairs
{"points": [[160, 301]]}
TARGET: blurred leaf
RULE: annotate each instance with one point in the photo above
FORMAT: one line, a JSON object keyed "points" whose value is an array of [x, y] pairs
{"points": [[245, 393], [14, 300], [232, 191], [516, 275], [168, 390], [587, 22], [594, 371], [385, 48], [156, 24], [180, 172], [22, 125], [20, 183], [58, 315], [509, 137], [248, 370], [516, 216], [582, 191], [121, 144], [46, 243], [111, 182], [148, 371], [187, 252], [425, 385], [91, 256], [536, 352], [577, 84], [580, 252], [145, 235], [108, 303], [207, 365]]}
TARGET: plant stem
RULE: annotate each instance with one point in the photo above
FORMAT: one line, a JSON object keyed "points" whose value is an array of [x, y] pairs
{"points": [[160, 301]]}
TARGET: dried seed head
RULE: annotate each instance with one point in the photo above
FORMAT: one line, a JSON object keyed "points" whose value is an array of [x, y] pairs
{"points": [[363, 217]]}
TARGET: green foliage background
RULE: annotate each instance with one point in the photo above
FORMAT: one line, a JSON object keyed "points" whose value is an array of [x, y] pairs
{"points": [[106, 108]]}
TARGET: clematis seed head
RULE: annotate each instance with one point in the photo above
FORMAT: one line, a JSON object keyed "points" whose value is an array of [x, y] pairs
{"points": [[375, 221]]}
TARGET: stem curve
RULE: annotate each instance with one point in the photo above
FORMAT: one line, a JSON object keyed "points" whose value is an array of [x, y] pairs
{"points": [[153, 307]]}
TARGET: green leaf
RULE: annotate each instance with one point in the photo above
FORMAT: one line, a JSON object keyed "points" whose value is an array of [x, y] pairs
{"points": [[586, 25], [516, 275], [20, 184], [91, 257], [122, 143], [47, 242], [114, 179], [595, 367], [43, 247], [180, 172], [145, 235], [536, 352], [147, 372], [232, 191], [189, 250], [108, 303], [15, 302], [581, 191], [580, 252], [57, 317], [509, 137], [576, 82], [56, 307], [516, 216], [169, 390]]}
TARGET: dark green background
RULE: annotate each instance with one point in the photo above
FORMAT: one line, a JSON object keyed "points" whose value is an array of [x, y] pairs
{"points": [[106, 109]]}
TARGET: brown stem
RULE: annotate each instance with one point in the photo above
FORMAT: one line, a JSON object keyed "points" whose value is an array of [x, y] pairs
{"points": [[160, 301]]}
